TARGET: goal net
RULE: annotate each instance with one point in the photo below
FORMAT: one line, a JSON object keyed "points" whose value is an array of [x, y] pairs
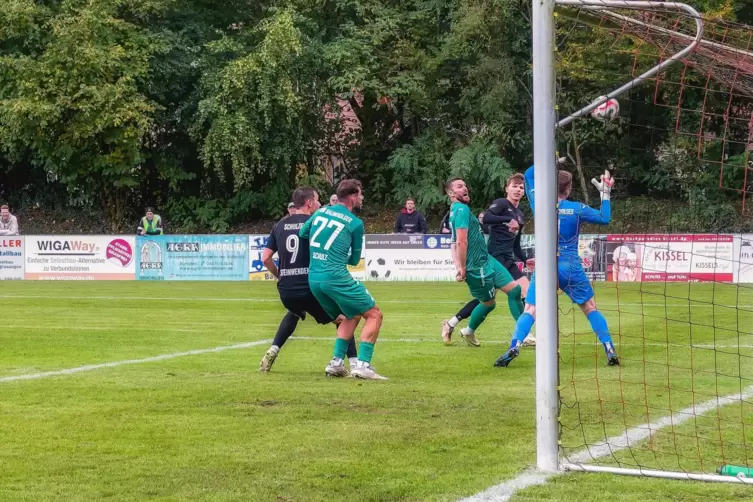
{"points": [[680, 404]]}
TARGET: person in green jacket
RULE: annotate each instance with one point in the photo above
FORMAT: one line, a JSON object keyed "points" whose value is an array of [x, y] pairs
{"points": [[151, 224]]}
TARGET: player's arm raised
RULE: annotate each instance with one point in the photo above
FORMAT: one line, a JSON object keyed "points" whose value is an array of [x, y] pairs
{"points": [[604, 185], [356, 245], [529, 187]]}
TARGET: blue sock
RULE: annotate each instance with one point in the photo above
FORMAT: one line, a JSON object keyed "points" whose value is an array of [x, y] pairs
{"points": [[599, 325], [522, 327]]}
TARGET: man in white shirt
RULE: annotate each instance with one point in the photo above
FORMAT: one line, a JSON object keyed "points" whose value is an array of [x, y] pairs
{"points": [[8, 222]]}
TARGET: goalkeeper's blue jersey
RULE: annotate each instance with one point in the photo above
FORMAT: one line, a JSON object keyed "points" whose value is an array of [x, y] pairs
{"points": [[570, 216]]}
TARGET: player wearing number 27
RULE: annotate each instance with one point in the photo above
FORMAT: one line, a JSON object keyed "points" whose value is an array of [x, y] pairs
{"points": [[335, 237], [571, 278], [292, 272]]}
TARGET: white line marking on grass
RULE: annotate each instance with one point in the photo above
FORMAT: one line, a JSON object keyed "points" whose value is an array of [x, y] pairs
{"points": [[504, 491], [692, 303], [163, 357], [114, 327]]}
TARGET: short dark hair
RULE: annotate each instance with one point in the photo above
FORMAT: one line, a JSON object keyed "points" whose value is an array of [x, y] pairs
{"points": [[301, 195], [149, 209], [564, 182], [410, 199], [5, 206], [448, 185], [515, 177], [346, 188]]}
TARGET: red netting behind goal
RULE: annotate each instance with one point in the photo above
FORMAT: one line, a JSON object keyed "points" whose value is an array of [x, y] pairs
{"points": [[677, 300]]}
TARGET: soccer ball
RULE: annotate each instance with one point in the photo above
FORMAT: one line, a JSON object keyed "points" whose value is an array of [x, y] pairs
{"points": [[378, 268], [607, 110]]}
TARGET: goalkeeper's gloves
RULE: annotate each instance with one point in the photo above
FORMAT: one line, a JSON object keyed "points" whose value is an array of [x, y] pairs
{"points": [[604, 185]]}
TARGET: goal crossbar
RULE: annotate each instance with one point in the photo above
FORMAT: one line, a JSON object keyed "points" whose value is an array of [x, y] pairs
{"points": [[639, 5]]}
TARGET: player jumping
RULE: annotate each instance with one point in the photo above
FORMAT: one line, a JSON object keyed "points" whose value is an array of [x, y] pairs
{"points": [[483, 274], [293, 274], [335, 241], [507, 222], [570, 275]]}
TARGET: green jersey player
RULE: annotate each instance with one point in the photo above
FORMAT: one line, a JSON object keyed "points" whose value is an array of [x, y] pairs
{"points": [[335, 238], [483, 274]]}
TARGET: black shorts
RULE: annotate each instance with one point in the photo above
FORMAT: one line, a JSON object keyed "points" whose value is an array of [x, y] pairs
{"points": [[301, 303], [511, 267]]}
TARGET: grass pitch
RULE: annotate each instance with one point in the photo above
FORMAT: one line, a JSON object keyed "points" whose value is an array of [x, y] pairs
{"points": [[447, 424]]}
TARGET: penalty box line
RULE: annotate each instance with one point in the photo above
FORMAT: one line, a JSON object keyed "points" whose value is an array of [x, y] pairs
{"points": [[246, 345]]}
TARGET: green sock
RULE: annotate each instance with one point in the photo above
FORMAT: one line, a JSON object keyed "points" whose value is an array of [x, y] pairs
{"points": [[365, 352], [341, 348], [479, 315], [515, 302]]}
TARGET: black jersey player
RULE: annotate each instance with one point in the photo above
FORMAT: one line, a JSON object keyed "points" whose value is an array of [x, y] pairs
{"points": [[292, 272], [506, 222]]}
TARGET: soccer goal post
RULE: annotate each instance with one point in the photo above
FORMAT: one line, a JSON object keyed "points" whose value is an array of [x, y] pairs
{"points": [[678, 302]]}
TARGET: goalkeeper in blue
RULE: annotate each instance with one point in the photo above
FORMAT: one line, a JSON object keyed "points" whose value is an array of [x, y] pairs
{"points": [[571, 278]]}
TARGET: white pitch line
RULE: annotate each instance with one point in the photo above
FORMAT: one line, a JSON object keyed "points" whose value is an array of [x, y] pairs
{"points": [[499, 493], [504, 491], [459, 301], [114, 327], [163, 357]]}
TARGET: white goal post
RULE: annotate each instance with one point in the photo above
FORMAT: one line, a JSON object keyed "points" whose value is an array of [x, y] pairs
{"points": [[545, 123]]}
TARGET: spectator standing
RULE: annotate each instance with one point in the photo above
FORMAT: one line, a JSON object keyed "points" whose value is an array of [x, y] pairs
{"points": [[444, 225], [484, 228], [410, 221], [333, 199], [8, 222], [151, 224], [291, 209]]}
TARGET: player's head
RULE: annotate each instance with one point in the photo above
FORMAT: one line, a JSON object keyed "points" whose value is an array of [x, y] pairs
{"points": [[350, 193], [410, 205], [515, 187], [457, 190], [305, 200], [564, 183]]}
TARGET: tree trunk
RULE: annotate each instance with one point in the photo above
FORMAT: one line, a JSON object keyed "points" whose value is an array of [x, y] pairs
{"points": [[579, 162]]}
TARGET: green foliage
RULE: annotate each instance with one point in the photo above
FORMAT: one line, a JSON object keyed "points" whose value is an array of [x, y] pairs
{"points": [[419, 170], [484, 171], [214, 111], [249, 116]]}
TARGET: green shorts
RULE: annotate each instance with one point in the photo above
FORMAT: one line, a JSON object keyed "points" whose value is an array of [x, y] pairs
{"points": [[484, 283], [342, 296]]}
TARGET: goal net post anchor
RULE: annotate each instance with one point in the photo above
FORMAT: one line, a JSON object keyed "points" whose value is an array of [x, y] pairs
{"points": [[650, 473]]}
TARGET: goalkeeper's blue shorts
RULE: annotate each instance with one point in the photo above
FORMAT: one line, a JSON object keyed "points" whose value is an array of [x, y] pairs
{"points": [[572, 280]]}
